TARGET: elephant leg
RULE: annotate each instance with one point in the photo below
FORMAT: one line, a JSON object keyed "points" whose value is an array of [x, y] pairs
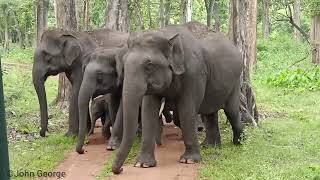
{"points": [[176, 119], [187, 116], [117, 130], [212, 130], [106, 124], [113, 107], [199, 121], [167, 115], [89, 123], [73, 112], [159, 132], [232, 112], [150, 121], [139, 130]]}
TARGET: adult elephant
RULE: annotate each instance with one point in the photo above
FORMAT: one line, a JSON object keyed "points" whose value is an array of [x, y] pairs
{"points": [[195, 76], [103, 75], [63, 51]]}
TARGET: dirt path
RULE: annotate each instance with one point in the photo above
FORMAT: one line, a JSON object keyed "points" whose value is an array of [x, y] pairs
{"points": [[167, 156], [89, 165]]}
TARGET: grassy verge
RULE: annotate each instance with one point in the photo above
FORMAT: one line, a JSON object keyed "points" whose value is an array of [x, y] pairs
{"points": [[287, 144], [27, 150]]}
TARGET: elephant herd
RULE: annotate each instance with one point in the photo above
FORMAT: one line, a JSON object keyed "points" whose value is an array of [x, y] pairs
{"points": [[129, 80]]}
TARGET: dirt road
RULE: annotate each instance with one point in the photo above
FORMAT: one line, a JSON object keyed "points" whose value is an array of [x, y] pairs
{"points": [[89, 165]]}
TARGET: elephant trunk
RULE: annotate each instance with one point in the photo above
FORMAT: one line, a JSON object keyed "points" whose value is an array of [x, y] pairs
{"points": [[132, 96], [85, 94], [38, 78]]}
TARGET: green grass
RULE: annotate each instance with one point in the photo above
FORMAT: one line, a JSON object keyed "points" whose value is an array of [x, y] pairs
{"points": [[18, 55], [41, 154], [287, 143], [27, 150]]}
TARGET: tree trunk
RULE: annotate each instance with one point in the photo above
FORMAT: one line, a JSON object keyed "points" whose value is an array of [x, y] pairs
{"points": [[216, 16], [6, 31], [86, 14], [315, 39], [266, 22], [42, 17], [252, 30], [17, 28], [139, 13], [161, 14], [242, 37], [117, 15], [209, 8], [167, 12], [66, 19], [149, 14], [186, 11], [296, 19]]}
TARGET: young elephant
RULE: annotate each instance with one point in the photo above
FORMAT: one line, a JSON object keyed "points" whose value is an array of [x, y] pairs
{"points": [[195, 77], [99, 78], [99, 109]]}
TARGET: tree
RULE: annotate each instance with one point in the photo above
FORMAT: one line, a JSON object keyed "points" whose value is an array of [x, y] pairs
{"points": [[167, 12], [296, 18], [242, 18], [315, 38], [266, 21], [66, 19], [161, 14], [117, 15], [42, 17], [186, 11], [86, 14], [137, 5]]}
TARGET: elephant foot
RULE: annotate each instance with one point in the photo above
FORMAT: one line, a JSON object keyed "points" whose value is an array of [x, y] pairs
{"points": [[145, 161], [158, 140], [113, 144], [71, 134], [79, 150], [190, 158], [211, 142], [43, 132]]}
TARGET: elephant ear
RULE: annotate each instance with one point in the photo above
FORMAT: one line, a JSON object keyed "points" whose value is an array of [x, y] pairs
{"points": [[176, 55], [71, 48], [120, 64]]}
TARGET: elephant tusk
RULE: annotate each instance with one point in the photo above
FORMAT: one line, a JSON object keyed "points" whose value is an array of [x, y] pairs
{"points": [[90, 104], [163, 102]]}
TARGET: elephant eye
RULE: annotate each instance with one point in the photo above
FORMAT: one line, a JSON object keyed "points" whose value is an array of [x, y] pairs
{"points": [[149, 66]]}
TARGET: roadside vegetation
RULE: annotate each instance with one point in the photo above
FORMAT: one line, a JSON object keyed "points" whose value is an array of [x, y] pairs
{"points": [[27, 150]]}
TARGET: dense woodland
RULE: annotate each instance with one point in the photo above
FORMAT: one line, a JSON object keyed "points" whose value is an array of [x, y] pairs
{"points": [[22, 20]]}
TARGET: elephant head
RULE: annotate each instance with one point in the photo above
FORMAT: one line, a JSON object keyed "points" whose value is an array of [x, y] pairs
{"points": [[100, 77], [56, 53], [150, 65]]}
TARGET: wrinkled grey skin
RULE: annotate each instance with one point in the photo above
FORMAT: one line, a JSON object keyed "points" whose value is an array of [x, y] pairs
{"points": [[63, 51], [99, 109], [100, 77], [103, 75], [195, 77]]}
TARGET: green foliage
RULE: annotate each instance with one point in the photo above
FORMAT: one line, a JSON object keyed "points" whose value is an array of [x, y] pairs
{"points": [[312, 7], [280, 52], [16, 54], [297, 78]]}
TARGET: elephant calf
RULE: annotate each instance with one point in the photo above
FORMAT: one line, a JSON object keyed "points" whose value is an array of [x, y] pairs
{"points": [[99, 109]]}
